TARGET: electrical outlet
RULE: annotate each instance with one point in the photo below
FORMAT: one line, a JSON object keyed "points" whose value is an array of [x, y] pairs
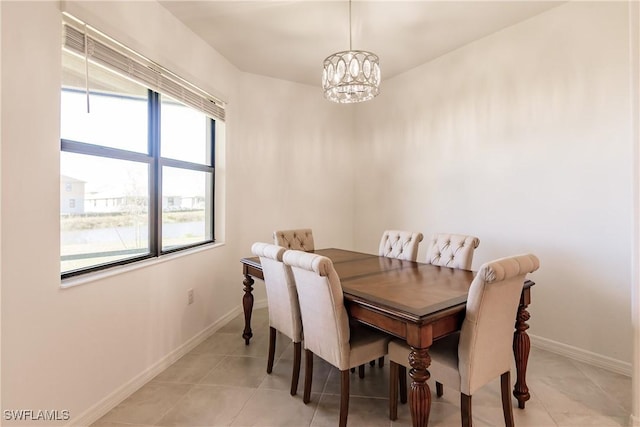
{"points": [[190, 296]]}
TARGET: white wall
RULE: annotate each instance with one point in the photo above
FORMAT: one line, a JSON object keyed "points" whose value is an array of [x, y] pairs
{"points": [[83, 347], [522, 139], [293, 164], [634, 41], [0, 216]]}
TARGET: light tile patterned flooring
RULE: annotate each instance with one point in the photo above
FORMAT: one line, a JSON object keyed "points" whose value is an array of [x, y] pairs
{"points": [[222, 382]]}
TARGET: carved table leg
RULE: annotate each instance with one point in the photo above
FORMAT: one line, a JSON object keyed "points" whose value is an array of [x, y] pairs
{"points": [[521, 348], [247, 305], [419, 394]]}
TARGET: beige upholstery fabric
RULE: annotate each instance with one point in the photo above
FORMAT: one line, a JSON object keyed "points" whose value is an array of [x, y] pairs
{"points": [[324, 316], [486, 337], [444, 359], [482, 350], [282, 297], [400, 244], [301, 239], [452, 250]]}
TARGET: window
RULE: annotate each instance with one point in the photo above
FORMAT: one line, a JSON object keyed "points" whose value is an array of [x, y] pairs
{"points": [[137, 164]]}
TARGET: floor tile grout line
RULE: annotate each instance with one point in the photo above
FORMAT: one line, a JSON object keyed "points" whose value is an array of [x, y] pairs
{"points": [[222, 359], [597, 384], [545, 407], [157, 422], [553, 414], [187, 382], [255, 391]]}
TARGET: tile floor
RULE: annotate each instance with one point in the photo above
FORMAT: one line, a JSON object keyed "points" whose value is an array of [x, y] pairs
{"points": [[222, 382]]}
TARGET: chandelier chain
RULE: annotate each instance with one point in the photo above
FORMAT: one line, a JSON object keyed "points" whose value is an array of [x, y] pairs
{"points": [[350, 36]]}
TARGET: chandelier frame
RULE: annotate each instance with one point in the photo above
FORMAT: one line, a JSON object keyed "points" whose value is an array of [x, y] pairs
{"points": [[351, 76]]}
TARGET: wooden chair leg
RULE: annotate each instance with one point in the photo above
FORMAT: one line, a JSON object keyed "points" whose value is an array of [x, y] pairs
{"points": [[361, 371], [372, 363], [403, 383], [380, 362], [272, 349], [295, 374], [344, 397], [507, 409], [465, 410], [308, 375], [439, 389], [353, 369], [393, 390]]}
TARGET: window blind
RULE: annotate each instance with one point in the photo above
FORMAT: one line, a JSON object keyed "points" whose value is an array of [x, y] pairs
{"points": [[108, 53]]}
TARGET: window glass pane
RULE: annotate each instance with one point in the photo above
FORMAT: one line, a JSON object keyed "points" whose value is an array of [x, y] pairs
{"points": [[104, 210], [183, 133], [118, 107], [186, 207]]}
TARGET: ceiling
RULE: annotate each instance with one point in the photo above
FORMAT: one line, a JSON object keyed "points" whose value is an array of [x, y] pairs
{"points": [[290, 39]]}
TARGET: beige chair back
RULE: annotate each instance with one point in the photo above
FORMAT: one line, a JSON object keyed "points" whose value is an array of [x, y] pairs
{"points": [[452, 250], [486, 337], [324, 316], [400, 244], [282, 297], [300, 239]]}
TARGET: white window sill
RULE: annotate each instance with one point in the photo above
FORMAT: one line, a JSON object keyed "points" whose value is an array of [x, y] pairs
{"points": [[114, 271]]}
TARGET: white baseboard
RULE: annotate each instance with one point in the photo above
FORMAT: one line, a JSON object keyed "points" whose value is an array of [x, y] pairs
{"points": [[581, 355], [98, 410], [260, 303]]}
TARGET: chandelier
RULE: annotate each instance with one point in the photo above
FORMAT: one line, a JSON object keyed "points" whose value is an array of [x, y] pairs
{"points": [[351, 75]]}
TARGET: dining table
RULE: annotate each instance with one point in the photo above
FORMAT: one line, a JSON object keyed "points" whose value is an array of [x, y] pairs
{"points": [[413, 301]]}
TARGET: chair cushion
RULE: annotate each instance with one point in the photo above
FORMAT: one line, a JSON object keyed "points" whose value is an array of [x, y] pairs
{"points": [[366, 344], [444, 359]]}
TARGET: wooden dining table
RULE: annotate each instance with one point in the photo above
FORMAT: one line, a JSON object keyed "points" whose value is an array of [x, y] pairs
{"points": [[414, 301]]}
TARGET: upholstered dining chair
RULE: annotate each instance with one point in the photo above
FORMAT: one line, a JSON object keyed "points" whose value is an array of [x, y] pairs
{"points": [[482, 350], [282, 300], [452, 250], [400, 244], [299, 239], [326, 323]]}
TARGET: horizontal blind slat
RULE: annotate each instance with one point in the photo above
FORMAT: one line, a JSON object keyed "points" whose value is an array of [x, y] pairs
{"points": [[155, 79]]}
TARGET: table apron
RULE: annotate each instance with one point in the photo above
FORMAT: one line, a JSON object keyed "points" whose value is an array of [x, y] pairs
{"points": [[250, 270], [377, 319], [419, 335]]}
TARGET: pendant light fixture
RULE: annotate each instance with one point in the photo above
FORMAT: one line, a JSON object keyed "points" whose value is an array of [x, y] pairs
{"points": [[352, 75]]}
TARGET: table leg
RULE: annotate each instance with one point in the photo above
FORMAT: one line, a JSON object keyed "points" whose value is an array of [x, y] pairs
{"points": [[521, 348], [247, 305], [419, 394]]}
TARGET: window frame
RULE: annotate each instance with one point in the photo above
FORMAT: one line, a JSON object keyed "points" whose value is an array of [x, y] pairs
{"points": [[96, 47], [156, 163]]}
